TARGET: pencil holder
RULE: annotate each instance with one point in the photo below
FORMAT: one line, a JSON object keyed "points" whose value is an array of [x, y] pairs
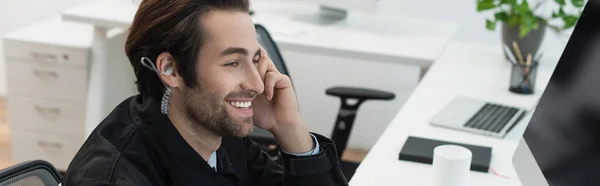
{"points": [[522, 78]]}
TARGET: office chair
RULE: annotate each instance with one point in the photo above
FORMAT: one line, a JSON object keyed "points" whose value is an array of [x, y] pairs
{"points": [[31, 173], [346, 115]]}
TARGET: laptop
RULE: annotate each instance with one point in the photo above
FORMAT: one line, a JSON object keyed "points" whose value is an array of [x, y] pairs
{"points": [[478, 116]]}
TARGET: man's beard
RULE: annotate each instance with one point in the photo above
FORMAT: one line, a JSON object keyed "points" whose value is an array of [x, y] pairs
{"points": [[209, 111]]}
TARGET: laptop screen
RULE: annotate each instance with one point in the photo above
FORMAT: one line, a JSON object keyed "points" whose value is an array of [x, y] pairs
{"points": [[564, 132]]}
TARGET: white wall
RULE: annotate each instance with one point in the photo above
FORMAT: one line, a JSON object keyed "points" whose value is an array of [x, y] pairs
{"points": [[460, 11], [463, 12], [15, 14]]}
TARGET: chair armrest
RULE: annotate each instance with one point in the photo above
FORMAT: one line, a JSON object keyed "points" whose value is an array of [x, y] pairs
{"points": [[360, 93]]}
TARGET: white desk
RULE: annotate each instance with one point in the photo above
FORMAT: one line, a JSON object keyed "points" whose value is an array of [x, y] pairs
{"points": [[361, 36], [104, 15], [397, 39], [468, 69]]}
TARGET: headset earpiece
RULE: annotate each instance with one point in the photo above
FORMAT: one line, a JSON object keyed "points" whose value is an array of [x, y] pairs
{"points": [[168, 72]]}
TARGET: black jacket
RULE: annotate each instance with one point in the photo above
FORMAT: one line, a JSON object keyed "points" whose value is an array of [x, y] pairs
{"points": [[137, 145]]}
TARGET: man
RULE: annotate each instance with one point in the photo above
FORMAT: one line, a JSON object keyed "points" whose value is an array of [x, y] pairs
{"points": [[204, 83]]}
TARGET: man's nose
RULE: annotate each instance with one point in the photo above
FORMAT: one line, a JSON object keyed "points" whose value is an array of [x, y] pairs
{"points": [[253, 81]]}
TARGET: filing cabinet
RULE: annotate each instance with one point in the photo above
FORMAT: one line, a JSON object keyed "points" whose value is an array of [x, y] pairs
{"points": [[47, 67]]}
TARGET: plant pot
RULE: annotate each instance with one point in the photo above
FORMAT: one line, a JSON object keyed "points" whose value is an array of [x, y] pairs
{"points": [[529, 44]]}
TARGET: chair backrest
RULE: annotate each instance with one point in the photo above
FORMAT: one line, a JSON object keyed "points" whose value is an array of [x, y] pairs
{"points": [[267, 42], [31, 173]]}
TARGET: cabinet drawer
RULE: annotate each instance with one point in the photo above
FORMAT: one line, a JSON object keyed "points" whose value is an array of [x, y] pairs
{"points": [[28, 114], [45, 54], [57, 149], [53, 83]]}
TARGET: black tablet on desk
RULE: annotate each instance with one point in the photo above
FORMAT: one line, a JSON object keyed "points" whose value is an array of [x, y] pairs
{"points": [[420, 150]]}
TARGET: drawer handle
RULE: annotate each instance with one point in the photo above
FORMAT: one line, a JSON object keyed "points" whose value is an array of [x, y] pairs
{"points": [[50, 144], [45, 73], [38, 55], [47, 110]]}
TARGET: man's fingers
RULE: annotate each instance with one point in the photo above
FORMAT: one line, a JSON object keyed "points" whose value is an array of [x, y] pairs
{"points": [[263, 51], [271, 78], [270, 74], [265, 64], [263, 67]]}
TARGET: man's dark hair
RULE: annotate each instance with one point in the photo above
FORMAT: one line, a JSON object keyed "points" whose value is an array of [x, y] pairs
{"points": [[172, 26]]}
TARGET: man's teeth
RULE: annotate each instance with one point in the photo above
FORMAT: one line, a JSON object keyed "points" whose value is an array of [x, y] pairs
{"points": [[240, 104]]}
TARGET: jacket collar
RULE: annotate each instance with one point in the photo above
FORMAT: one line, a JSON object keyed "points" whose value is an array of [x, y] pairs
{"points": [[181, 162]]}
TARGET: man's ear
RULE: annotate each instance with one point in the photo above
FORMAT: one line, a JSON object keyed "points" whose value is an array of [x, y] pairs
{"points": [[166, 66]]}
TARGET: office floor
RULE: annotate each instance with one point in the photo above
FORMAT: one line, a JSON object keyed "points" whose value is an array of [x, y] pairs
{"points": [[4, 137], [349, 155]]}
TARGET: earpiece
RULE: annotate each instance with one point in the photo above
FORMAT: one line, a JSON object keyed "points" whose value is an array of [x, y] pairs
{"points": [[148, 64], [168, 72]]}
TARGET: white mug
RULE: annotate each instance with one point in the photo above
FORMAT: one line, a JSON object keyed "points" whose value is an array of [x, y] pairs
{"points": [[451, 165]]}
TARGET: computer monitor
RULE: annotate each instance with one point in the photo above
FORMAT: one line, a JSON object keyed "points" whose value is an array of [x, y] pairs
{"points": [[561, 145], [344, 5], [348, 5], [333, 11]]}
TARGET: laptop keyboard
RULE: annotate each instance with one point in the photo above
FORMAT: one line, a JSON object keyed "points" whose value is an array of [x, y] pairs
{"points": [[492, 117]]}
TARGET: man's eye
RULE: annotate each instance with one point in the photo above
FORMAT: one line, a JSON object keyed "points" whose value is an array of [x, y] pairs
{"points": [[232, 63]]}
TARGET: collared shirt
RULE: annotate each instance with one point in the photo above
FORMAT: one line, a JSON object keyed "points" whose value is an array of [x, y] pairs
{"points": [[137, 145]]}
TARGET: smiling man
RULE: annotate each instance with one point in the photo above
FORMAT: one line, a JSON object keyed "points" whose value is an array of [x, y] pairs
{"points": [[204, 83]]}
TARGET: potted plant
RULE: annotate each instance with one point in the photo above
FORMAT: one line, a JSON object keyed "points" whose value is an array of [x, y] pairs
{"points": [[525, 22]]}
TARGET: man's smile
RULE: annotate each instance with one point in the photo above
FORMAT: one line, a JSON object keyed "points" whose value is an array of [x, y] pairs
{"points": [[240, 107]]}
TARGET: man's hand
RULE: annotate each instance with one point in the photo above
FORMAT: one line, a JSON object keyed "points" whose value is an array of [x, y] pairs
{"points": [[276, 109]]}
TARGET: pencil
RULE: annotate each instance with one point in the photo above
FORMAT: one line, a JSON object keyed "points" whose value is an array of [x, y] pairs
{"points": [[528, 64], [518, 51]]}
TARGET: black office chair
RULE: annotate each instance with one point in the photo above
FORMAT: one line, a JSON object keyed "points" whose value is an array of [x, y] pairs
{"points": [[346, 115], [31, 173]]}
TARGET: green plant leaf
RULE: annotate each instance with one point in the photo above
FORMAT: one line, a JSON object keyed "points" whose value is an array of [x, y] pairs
{"points": [[560, 2], [578, 3], [483, 5], [509, 2], [502, 16], [513, 21], [523, 8], [570, 21], [558, 14], [561, 12], [490, 25], [529, 20], [524, 30], [527, 24]]}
